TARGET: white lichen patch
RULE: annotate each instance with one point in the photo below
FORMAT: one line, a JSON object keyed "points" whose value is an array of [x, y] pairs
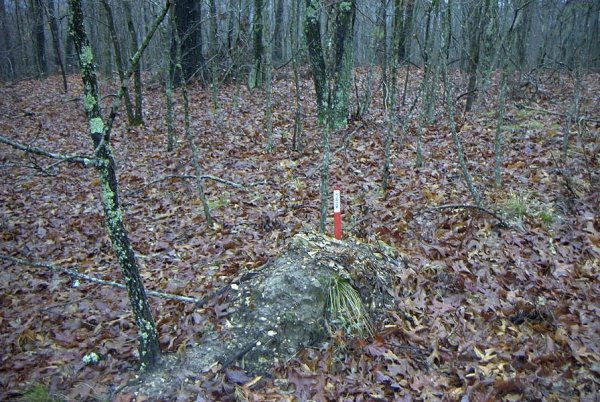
{"points": [[86, 57], [89, 102], [96, 125], [91, 358]]}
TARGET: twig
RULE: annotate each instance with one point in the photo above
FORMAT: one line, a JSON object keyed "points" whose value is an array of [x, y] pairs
{"points": [[135, 59], [501, 221], [566, 177], [67, 303], [536, 109], [82, 159], [75, 274], [185, 177]]}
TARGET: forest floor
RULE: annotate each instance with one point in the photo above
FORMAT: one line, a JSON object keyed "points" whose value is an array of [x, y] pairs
{"points": [[483, 311]]}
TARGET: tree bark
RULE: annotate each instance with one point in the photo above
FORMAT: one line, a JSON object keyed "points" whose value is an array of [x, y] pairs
{"points": [[53, 24], [343, 61], [188, 133], [312, 31], [214, 54], [405, 24], [119, 59], [278, 43], [189, 27], [149, 349], [6, 64], [138, 118], [295, 31], [451, 108], [257, 72], [391, 121], [40, 37]]}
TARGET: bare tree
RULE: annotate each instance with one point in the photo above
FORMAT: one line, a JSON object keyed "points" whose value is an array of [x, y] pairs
{"points": [[100, 135]]}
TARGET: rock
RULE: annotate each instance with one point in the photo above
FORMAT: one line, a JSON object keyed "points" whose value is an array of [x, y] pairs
{"points": [[273, 312]]}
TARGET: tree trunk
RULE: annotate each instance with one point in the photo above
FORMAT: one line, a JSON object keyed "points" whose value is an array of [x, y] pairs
{"points": [[70, 55], [189, 27], [52, 22], [343, 59], [278, 42], [523, 33], [118, 59], [295, 32], [498, 137], [474, 20], [168, 88], [214, 54], [149, 348], [268, 58], [332, 78], [188, 133], [40, 37], [405, 25], [257, 71], [451, 108], [7, 63], [480, 33], [396, 42], [312, 31], [138, 118]]}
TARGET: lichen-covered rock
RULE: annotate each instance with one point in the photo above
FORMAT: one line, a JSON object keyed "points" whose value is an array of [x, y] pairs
{"points": [[282, 307]]}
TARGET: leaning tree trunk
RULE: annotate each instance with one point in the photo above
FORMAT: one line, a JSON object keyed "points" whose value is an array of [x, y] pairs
{"points": [[149, 348]]}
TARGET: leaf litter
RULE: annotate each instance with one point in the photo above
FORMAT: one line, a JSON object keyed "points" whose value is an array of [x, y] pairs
{"points": [[484, 312]]}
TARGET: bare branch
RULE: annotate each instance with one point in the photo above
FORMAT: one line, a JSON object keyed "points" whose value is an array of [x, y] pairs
{"points": [[501, 221], [135, 59], [185, 177], [542, 110], [81, 159], [75, 274]]}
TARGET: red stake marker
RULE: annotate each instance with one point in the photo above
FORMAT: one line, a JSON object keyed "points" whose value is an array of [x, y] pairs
{"points": [[337, 215]]}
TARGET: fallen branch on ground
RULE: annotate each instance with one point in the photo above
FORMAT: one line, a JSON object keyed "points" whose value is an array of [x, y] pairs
{"points": [[78, 275], [82, 159], [541, 110], [185, 177], [501, 221]]}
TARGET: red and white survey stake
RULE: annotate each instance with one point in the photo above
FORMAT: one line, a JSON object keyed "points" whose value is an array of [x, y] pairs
{"points": [[337, 215]]}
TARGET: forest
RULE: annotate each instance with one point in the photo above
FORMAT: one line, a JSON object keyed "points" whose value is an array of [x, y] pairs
{"points": [[164, 162]]}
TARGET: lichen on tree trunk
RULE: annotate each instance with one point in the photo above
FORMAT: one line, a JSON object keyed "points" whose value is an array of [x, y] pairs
{"points": [[149, 348]]}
